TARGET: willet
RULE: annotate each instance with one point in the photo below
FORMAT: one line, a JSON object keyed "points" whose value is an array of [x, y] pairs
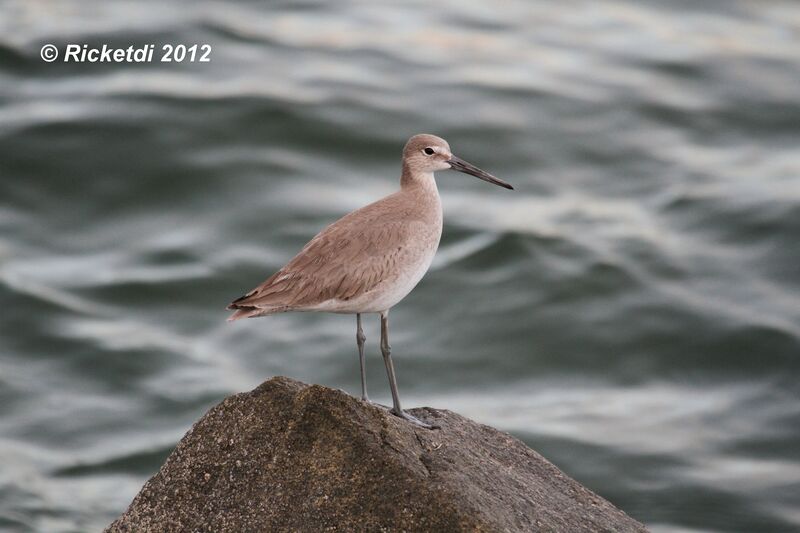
{"points": [[370, 259]]}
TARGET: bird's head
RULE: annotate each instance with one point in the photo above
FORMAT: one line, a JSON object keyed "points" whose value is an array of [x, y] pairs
{"points": [[425, 154]]}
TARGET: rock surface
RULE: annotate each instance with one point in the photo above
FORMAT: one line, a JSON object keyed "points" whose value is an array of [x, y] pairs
{"points": [[293, 457]]}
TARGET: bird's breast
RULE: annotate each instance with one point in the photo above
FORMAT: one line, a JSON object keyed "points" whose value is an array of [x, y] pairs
{"points": [[404, 271]]}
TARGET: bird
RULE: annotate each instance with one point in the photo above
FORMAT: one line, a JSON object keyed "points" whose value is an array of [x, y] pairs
{"points": [[370, 259]]}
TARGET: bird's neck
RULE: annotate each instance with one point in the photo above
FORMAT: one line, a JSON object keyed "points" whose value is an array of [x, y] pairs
{"points": [[421, 181], [421, 186]]}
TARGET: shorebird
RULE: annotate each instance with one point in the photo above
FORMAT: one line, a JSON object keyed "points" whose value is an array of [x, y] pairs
{"points": [[370, 259]]}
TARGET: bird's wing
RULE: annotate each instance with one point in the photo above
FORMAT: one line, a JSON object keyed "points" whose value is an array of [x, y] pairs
{"points": [[346, 259]]}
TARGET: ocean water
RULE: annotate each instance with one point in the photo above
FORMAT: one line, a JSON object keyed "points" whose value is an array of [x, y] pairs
{"points": [[631, 310]]}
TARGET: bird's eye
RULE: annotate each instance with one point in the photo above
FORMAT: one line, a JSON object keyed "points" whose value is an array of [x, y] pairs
{"points": [[428, 151]]}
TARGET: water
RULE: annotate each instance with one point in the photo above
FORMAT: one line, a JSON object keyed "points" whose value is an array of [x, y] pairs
{"points": [[632, 310]]}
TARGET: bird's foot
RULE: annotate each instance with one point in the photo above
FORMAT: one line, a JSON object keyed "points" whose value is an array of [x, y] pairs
{"points": [[376, 404], [413, 419]]}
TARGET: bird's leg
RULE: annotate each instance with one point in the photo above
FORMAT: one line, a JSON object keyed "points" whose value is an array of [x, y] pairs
{"points": [[360, 338], [386, 350]]}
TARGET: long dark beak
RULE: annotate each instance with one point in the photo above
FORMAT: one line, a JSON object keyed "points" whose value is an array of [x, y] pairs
{"points": [[468, 168]]}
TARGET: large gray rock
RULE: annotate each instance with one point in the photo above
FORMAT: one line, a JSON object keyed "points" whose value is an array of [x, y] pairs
{"points": [[293, 457]]}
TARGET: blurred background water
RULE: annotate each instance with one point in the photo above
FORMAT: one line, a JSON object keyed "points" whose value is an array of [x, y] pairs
{"points": [[632, 310]]}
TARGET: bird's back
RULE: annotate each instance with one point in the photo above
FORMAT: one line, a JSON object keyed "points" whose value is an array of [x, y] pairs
{"points": [[365, 262]]}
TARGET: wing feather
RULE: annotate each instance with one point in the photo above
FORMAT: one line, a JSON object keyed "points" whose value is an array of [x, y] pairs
{"points": [[345, 260]]}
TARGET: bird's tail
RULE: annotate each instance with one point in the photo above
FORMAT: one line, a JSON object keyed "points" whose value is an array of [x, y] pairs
{"points": [[243, 313], [252, 312]]}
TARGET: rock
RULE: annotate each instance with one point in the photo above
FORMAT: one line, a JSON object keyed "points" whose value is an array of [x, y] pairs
{"points": [[293, 457]]}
